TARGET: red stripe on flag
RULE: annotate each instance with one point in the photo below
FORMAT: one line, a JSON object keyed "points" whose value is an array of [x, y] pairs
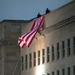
{"points": [[29, 41], [24, 38], [28, 37], [33, 26]]}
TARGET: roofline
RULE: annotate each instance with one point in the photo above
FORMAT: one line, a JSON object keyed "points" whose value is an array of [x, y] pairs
{"points": [[16, 21]]}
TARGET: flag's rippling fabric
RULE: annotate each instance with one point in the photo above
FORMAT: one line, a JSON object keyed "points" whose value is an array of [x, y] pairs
{"points": [[27, 38]]}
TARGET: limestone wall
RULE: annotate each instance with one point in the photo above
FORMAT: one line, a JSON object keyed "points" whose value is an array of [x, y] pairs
{"points": [[59, 27]]}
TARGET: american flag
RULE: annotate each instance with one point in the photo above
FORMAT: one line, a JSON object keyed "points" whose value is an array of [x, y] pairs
{"points": [[27, 38]]}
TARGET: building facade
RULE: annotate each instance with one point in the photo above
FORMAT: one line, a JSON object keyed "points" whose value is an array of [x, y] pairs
{"points": [[53, 52], [10, 30]]}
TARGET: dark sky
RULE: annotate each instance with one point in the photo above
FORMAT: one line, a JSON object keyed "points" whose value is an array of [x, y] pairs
{"points": [[27, 9]]}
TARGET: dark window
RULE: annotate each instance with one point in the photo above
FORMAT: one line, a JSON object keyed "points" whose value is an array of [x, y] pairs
{"points": [[74, 45], [48, 73], [74, 69], [38, 57], [52, 73], [34, 58], [58, 53], [68, 46], [63, 49], [58, 72], [63, 72], [48, 54], [74, 40], [52, 52], [30, 60], [22, 59], [26, 61], [43, 56], [68, 70]]}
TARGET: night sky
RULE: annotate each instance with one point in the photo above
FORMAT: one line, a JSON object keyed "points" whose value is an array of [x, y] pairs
{"points": [[27, 9]]}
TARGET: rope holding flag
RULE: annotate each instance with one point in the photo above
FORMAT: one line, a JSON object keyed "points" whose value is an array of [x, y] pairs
{"points": [[27, 38]]}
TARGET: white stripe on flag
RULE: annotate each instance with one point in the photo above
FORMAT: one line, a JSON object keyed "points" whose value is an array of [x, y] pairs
{"points": [[30, 38], [23, 42]]}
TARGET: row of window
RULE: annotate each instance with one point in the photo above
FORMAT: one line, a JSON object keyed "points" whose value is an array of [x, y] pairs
{"points": [[63, 72], [46, 55]]}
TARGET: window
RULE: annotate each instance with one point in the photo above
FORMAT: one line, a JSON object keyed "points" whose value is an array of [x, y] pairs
{"points": [[52, 73], [30, 60], [48, 74], [58, 53], [74, 69], [68, 71], [63, 72], [22, 61], [63, 49], [74, 45], [58, 72], [68, 47], [38, 57], [43, 56], [48, 54], [34, 58], [26, 61], [52, 52]]}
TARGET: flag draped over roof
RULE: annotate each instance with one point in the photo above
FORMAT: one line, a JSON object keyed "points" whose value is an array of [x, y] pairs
{"points": [[27, 38]]}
